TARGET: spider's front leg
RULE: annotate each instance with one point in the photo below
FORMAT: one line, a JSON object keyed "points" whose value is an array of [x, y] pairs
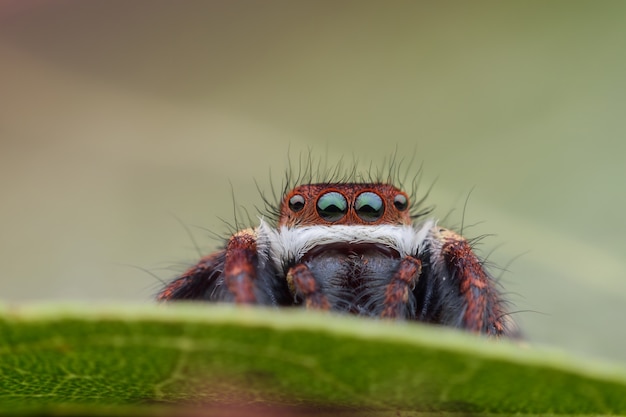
{"points": [[231, 274], [240, 267], [468, 297], [200, 282]]}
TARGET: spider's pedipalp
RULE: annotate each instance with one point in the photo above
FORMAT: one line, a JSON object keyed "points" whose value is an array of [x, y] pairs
{"points": [[398, 292]]}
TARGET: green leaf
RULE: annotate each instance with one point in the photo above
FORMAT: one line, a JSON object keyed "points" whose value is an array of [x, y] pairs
{"points": [[144, 359]]}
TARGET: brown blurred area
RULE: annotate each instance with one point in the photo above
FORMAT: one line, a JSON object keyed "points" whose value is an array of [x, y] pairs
{"points": [[117, 118]]}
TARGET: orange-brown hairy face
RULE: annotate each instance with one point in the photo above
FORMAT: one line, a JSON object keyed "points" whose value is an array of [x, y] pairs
{"points": [[329, 204]]}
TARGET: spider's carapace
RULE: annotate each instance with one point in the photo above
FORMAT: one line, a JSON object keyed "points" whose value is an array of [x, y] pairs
{"points": [[351, 247]]}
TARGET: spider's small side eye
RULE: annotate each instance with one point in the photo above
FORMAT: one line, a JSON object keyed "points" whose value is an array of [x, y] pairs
{"points": [[400, 202], [332, 206], [369, 206], [296, 203]]}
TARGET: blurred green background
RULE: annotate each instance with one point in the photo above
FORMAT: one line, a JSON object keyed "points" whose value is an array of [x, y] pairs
{"points": [[116, 117]]}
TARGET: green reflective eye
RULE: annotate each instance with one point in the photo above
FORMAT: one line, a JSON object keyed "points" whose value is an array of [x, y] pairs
{"points": [[400, 202], [369, 206], [332, 206]]}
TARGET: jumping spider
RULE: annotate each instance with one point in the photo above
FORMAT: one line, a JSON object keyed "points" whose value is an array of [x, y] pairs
{"points": [[351, 247]]}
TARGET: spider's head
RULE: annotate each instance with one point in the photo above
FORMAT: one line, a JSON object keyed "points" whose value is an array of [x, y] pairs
{"points": [[345, 204]]}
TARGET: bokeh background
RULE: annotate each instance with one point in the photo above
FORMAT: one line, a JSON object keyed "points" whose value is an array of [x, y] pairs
{"points": [[119, 117]]}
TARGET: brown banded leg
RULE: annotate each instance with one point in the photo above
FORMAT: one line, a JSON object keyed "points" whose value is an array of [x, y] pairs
{"points": [[483, 310], [240, 266], [197, 282], [303, 284], [398, 290]]}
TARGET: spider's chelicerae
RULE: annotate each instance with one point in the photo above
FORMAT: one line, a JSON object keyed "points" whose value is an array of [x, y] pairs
{"points": [[351, 247]]}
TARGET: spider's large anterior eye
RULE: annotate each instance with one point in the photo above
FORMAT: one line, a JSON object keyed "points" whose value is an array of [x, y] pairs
{"points": [[332, 206], [369, 206], [400, 202], [296, 203]]}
